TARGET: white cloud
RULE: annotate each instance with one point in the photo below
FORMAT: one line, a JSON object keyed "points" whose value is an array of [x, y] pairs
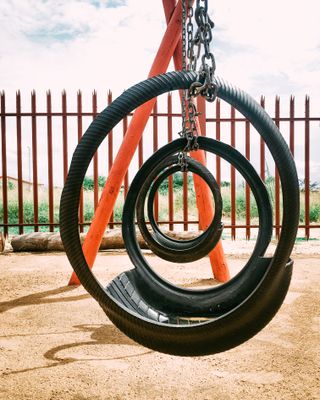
{"points": [[56, 44], [75, 43], [278, 38], [264, 47]]}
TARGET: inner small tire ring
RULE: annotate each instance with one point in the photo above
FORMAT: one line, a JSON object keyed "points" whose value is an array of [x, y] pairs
{"points": [[167, 248], [155, 187]]}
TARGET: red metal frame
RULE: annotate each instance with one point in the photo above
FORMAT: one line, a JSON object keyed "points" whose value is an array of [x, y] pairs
{"points": [[4, 162], [34, 160], [19, 160], [220, 122]]}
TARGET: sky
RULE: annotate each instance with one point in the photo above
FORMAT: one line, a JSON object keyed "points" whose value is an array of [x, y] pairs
{"points": [[265, 47]]}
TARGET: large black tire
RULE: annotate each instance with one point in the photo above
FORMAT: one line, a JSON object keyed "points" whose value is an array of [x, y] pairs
{"points": [[247, 318]]}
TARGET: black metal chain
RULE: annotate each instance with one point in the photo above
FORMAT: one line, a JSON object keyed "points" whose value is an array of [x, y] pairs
{"points": [[202, 39], [189, 111], [191, 50]]}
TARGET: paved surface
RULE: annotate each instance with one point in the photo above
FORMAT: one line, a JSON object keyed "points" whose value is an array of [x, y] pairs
{"points": [[56, 342]]}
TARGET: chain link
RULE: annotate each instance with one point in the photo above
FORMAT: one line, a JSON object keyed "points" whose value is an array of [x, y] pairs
{"points": [[192, 44], [202, 39], [184, 66], [189, 111]]}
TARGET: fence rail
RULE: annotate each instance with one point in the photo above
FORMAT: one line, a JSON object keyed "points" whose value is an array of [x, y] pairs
{"points": [[51, 136]]}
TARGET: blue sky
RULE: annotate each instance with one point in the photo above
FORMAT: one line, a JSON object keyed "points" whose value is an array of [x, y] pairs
{"points": [[270, 48]]}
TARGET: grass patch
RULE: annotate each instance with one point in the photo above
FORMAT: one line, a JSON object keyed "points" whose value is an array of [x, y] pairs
{"points": [[43, 208]]}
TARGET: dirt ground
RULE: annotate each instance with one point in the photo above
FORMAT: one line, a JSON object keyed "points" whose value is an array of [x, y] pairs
{"points": [[56, 342]]}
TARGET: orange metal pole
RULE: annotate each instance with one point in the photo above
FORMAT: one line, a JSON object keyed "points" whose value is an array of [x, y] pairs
{"points": [[130, 142], [205, 207]]}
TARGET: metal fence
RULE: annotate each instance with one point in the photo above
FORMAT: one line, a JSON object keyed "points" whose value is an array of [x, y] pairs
{"points": [[52, 136]]}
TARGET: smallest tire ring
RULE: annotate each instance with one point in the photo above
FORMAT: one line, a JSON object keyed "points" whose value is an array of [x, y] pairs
{"points": [[161, 237], [167, 248]]}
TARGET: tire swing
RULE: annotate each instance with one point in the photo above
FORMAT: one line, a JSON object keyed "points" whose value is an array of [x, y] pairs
{"points": [[149, 309], [236, 310]]}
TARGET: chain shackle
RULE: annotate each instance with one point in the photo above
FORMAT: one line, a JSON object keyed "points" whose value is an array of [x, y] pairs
{"points": [[192, 44], [201, 40]]}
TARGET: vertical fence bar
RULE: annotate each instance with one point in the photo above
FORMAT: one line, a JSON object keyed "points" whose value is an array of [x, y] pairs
{"points": [[185, 202], [64, 135], [19, 161], [307, 166], [170, 180], [201, 107], [79, 124], [233, 176], [50, 163], [185, 205], [155, 148], [185, 188], [262, 149], [34, 160], [126, 177], [218, 137], [4, 164], [110, 157], [140, 152], [248, 202], [277, 178], [292, 107], [95, 157], [200, 188]]}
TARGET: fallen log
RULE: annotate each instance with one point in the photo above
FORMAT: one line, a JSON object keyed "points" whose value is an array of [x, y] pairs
{"points": [[112, 240]]}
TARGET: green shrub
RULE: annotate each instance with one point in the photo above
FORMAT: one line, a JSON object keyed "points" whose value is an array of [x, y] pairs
{"points": [[43, 213], [301, 215], [11, 185], [177, 183], [315, 213], [226, 206], [28, 212], [241, 206], [88, 212], [101, 181], [117, 213], [88, 183]]}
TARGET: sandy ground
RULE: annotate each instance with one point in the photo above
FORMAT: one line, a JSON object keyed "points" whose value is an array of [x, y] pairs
{"points": [[56, 342]]}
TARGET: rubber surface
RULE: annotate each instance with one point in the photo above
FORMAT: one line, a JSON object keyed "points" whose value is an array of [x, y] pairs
{"points": [[177, 301], [165, 247], [245, 320]]}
